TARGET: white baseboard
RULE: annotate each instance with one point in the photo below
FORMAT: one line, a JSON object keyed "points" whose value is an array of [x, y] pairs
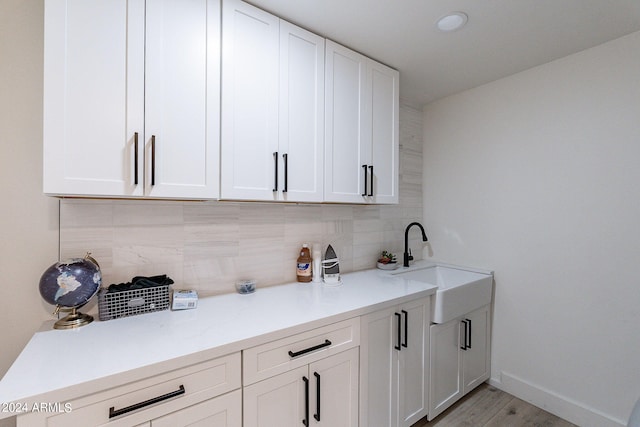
{"points": [[561, 406]]}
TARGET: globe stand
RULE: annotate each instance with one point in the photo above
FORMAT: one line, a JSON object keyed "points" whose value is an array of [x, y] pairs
{"points": [[74, 320]]}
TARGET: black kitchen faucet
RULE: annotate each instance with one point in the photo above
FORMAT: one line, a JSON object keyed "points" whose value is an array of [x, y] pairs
{"points": [[407, 252]]}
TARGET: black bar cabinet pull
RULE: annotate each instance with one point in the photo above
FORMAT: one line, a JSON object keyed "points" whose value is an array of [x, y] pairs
{"points": [[113, 412], [285, 156], [135, 158], [326, 343], [317, 414], [466, 329], [306, 401], [399, 346], [406, 328], [153, 160], [371, 173], [275, 175], [365, 180], [469, 344]]}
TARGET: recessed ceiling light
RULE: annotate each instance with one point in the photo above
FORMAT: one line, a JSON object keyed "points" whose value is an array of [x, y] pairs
{"points": [[452, 21]]}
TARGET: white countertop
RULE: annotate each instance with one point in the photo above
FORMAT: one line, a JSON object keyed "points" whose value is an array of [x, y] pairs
{"points": [[59, 365]]}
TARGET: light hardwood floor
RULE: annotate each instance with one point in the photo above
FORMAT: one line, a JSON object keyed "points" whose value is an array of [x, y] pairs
{"points": [[486, 406]]}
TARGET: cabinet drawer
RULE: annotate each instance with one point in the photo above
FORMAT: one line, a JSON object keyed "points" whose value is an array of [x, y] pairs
{"points": [[222, 411], [165, 393], [282, 355]]}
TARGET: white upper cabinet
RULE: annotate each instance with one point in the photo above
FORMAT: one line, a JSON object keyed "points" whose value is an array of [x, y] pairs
{"points": [[182, 97], [131, 95], [185, 99], [93, 97], [249, 138], [346, 149], [301, 130], [361, 128], [272, 107], [385, 125]]}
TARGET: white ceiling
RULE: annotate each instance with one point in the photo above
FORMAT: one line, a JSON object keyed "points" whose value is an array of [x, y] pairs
{"points": [[501, 38]]}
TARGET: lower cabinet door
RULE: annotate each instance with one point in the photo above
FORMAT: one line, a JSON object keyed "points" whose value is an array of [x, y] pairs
{"points": [[414, 362], [460, 358], [476, 367], [445, 386], [395, 364], [334, 390], [222, 411], [379, 364], [324, 393], [276, 401]]}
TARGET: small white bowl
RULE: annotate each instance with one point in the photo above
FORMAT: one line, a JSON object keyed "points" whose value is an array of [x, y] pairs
{"points": [[388, 266], [246, 286]]}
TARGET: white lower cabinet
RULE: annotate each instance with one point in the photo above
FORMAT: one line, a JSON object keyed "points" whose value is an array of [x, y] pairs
{"points": [[460, 358], [322, 393], [388, 368], [223, 411], [206, 393], [394, 364]]}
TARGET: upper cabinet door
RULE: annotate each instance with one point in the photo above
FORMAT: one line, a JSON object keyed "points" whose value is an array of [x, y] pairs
{"points": [[119, 124], [301, 114], [249, 145], [93, 103], [347, 138], [272, 108], [362, 127], [182, 113], [384, 85]]}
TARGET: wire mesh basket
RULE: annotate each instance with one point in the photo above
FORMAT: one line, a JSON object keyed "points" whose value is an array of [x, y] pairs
{"points": [[112, 305]]}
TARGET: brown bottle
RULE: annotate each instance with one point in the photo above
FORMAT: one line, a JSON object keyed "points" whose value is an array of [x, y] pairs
{"points": [[303, 270]]}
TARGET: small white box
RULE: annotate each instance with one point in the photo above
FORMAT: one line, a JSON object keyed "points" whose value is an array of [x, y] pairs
{"points": [[184, 299]]}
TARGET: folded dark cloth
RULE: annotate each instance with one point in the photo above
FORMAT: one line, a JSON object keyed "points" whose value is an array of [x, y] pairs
{"points": [[141, 282]]}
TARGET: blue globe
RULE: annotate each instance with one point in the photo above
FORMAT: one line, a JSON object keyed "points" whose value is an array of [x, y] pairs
{"points": [[71, 283]]}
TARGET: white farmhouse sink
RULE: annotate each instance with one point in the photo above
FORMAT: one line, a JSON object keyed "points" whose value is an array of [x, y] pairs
{"points": [[459, 291]]}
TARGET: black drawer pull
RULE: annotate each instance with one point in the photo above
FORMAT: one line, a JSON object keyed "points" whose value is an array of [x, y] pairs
{"points": [[153, 160], [464, 346], [399, 345], [113, 412], [317, 414], [135, 159], [275, 173], [469, 341], [406, 328], [371, 173], [365, 180], [326, 343], [286, 172], [306, 401]]}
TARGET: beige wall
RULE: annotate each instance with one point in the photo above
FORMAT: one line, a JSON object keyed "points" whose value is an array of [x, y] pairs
{"points": [[537, 177], [28, 219]]}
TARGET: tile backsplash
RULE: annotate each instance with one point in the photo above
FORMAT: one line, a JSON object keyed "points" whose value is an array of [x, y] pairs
{"points": [[207, 246]]}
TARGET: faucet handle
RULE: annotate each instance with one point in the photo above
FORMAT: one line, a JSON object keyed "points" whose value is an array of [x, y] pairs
{"points": [[410, 256]]}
